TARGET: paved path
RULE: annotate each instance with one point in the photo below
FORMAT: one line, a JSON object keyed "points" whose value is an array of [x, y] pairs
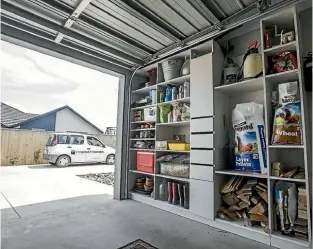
{"points": [[24, 185]]}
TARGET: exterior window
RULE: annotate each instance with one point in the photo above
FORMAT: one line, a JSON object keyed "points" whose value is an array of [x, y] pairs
{"points": [[76, 139], [95, 142], [63, 139]]}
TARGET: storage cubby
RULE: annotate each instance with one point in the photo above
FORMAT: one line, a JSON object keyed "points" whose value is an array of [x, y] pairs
{"points": [[207, 137], [297, 212]]}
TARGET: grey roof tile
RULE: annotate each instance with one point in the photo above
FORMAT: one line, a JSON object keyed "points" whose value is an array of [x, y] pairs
{"points": [[11, 116]]}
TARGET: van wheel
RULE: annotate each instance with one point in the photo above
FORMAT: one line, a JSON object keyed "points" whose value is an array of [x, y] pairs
{"points": [[110, 159], [63, 161]]}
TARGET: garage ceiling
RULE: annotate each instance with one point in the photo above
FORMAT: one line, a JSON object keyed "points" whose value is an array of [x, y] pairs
{"points": [[126, 33]]}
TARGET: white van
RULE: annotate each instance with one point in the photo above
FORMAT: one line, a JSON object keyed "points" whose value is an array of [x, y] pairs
{"points": [[64, 149]]}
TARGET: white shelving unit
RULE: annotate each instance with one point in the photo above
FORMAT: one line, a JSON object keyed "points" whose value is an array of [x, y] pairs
{"points": [[210, 129]]}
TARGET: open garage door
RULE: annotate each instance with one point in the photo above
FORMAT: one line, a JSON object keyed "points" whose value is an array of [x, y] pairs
{"points": [[118, 36]]}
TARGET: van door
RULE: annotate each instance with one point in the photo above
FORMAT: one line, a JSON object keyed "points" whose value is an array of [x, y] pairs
{"points": [[78, 148], [95, 150]]}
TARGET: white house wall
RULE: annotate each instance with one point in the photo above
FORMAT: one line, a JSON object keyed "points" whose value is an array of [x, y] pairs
{"points": [[68, 121]]}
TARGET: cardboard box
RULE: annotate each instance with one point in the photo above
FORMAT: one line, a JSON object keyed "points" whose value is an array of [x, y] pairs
{"points": [[161, 145]]}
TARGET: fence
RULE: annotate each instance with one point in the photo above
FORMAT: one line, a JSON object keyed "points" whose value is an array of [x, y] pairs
{"points": [[23, 144]]}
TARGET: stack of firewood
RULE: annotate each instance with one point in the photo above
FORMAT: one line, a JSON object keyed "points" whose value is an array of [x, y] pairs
{"points": [[245, 198], [301, 228]]}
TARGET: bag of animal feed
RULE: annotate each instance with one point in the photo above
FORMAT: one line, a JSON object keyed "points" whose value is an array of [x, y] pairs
{"points": [[287, 127], [250, 147]]}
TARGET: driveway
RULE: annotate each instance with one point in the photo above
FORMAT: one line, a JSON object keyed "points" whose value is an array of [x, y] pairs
{"points": [[24, 185]]}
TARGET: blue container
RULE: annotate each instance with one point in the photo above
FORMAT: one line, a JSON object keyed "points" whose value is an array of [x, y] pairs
{"points": [[168, 93]]}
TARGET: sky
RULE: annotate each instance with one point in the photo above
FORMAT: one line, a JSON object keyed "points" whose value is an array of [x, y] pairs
{"points": [[37, 83]]}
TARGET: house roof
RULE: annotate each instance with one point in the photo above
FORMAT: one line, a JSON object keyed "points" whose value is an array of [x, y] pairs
{"points": [[11, 116], [55, 111]]}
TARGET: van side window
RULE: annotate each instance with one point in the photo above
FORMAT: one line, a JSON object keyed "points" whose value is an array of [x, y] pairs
{"points": [[76, 139], [63, 139], [95, 142]]}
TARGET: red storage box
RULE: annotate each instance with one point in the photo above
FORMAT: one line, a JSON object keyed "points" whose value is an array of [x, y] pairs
{"points": [[145, 161]]}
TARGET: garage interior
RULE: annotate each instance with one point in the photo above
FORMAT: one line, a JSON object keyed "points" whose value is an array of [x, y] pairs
{"points": [[127, 39]]}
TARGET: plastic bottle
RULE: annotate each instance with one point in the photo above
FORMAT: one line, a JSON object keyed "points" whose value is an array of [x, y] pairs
{"points": [[168, 93], [163, 194], [181, 92], [186, 89], [174, 93]]}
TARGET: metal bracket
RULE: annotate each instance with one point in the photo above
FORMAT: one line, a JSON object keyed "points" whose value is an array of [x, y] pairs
{"points": [[73, 18], [262, 5]]}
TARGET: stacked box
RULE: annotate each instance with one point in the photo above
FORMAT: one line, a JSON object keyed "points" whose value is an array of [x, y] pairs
{"points": [[301, 224]]}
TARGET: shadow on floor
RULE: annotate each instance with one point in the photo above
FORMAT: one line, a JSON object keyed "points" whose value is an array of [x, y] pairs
{"points": [[99, 222], [49, 166]]}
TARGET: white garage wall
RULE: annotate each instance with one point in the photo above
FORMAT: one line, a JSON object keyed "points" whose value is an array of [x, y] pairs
{"points": [[68, 121]]}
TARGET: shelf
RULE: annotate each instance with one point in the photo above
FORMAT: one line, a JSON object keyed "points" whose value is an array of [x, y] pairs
{"points": [[140, 172], [142, 149], [142, 122], [142, 107], [132, 194], [291, 46], [184, 100], [145, 90], [171, 205], [174, 151], [240, 173], [145, 129], [180, 123], [286, 146], [241, 224], [251, 85], [142, 139], [173, 177], [287, 179], [283, 77], [180, 80], [288, 239]]}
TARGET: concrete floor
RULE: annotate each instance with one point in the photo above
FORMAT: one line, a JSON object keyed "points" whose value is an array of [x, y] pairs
{"points": [[24, 185], [98, 222]]}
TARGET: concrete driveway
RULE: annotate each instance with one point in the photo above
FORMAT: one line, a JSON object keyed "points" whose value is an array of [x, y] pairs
{"points": [[24, 185]]}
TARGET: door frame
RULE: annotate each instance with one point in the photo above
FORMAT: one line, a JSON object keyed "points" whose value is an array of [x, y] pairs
{"points": [[64, 53]]}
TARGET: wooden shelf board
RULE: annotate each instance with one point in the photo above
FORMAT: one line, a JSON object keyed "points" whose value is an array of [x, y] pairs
{"points": [[174, 151], [173, 177], [240, 173], [287, 179], [283, 77], [140, 172], [145, 129], [180, 80], [142, 149], [184, 100], [180, 123], [291, 46], [142, 139], [143, 107], [286, 146], [251, 85], [240, 223], [140, 195], [145, 89], [288, 239], [142, 122]]}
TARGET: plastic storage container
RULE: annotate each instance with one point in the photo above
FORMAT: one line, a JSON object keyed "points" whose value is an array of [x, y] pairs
{"points": [[145, 161], [178, 146], [174, 169], [171, 69]]}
